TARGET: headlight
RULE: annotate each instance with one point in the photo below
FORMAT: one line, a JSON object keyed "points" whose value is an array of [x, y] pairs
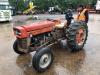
{"points": [[17, 32]]}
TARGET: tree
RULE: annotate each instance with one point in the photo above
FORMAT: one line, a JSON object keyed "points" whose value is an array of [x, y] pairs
{"points": [[43, 5], [17, 4]]}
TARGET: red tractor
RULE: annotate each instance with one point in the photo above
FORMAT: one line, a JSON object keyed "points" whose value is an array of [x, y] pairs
{"points": [[39, 37]]}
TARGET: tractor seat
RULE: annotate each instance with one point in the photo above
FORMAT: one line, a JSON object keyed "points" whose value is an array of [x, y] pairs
{"points": [[61, 25]]}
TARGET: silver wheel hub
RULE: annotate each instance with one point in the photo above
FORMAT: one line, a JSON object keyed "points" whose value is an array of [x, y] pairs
{"points": [[45, 60]]}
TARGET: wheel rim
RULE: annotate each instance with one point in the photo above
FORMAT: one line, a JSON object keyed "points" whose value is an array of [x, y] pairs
{"points": [[45, 60], [80, 36]]}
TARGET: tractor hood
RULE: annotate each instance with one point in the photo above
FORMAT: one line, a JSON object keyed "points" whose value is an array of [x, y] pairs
{"points": [[38, 26], [33, 29]]}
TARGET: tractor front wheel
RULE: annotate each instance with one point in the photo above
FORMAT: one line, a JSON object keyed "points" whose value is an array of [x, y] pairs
{"points": [[42, 59], [16, 48]]}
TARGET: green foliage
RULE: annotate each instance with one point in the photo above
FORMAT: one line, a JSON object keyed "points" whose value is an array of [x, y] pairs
{"points": [[45, 4], [63, 4], [18, 4], [41, 4]]}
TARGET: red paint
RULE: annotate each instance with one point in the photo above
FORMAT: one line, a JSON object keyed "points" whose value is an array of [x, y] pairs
{"points": [[35, 28]]}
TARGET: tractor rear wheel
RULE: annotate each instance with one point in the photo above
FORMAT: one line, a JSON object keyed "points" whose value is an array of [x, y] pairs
{"points": [[77, 35]]}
